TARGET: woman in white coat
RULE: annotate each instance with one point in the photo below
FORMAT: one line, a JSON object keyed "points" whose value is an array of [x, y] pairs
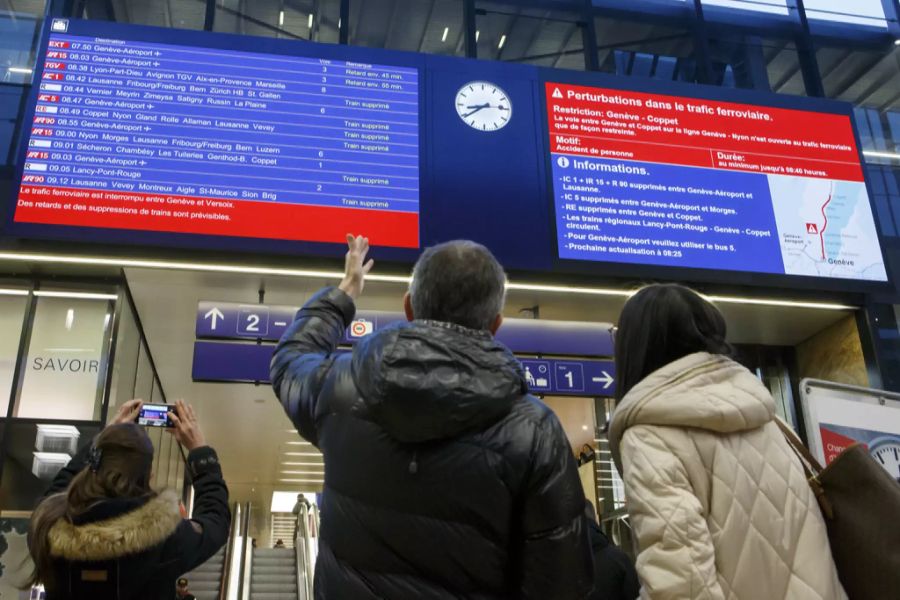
{"points": [[718, 501]]}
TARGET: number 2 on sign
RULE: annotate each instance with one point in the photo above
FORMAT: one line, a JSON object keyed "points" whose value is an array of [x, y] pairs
{"points": [[253, 323]]}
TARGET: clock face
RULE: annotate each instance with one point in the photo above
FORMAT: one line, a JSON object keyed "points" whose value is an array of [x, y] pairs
{"points": [[483, 106], [887, 454]]}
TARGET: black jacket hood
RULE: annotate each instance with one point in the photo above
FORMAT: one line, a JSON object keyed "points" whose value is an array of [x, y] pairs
{"points": [[427, 380]]}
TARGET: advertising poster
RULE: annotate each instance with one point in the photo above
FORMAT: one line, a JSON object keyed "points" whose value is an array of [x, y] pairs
{"points": [[838, 418]]}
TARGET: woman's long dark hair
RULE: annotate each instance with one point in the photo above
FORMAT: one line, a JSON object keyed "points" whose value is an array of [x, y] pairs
{"points": [[123, 471], [660, 324]]}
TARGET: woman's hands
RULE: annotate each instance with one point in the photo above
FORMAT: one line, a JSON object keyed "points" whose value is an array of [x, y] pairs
{"points": [[127, 413], [186, 430]]}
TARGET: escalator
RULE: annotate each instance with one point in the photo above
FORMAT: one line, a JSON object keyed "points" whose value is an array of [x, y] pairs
{"points": [[274, 575], [205, 582], [269, 573]]}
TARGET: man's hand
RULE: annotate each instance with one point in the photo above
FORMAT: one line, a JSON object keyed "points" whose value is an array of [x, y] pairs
{"points": [[355, 266], [186, 430], [127, 413]]}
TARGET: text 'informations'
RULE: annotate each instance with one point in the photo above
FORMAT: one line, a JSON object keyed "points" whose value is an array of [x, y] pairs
{"points": [[158, 137], [673, 181]]}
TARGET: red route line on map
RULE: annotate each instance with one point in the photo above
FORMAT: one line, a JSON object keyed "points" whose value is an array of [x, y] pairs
{"points": [[824, 227]]}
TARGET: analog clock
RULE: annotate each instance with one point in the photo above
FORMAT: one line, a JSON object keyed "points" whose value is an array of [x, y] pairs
{"points": [[886, 452], [483, 106]]}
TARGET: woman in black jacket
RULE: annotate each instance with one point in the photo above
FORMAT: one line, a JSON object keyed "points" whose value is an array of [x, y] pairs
{"points": [[103, 533]]}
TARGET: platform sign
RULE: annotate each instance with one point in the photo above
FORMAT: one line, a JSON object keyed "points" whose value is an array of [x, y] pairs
{"points": [[223, 361], [229, 320]]}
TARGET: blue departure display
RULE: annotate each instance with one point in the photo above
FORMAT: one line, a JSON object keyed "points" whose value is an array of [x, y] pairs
{"points": [[172, 138]]}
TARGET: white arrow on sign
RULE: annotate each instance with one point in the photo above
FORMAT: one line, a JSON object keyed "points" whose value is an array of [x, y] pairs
{"points": [[606, 380], [214, 314]]}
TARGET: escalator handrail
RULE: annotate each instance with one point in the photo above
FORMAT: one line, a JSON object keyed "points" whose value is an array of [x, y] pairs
{"points": [[247, 556], [229, 552], [301, 549]]}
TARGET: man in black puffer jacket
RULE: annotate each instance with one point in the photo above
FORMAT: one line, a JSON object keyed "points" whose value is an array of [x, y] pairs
{"points": [[443, 477]]}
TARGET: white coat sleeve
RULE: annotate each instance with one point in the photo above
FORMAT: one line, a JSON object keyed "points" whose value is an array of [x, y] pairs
{"points": [[677, 558]]}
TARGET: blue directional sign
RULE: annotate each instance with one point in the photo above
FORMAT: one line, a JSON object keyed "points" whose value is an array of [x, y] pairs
{"points": [[253, 321], [229, 320], [538, 375], [236, 362], [569, 376]]}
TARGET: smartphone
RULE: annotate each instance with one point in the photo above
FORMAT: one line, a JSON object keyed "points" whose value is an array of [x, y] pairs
{"points": [[155, 415]]}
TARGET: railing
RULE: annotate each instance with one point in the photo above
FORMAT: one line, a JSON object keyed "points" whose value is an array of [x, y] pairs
{"points": [[236, 582], [247, 554], [229, 552], [306, 541]]}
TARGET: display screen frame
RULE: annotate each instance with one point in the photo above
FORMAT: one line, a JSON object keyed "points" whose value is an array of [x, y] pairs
{"points": [[198, 241], [694, 91], [536, 260]]}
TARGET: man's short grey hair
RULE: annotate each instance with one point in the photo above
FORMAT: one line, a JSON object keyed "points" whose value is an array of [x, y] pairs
{"points": [[458, 282]]}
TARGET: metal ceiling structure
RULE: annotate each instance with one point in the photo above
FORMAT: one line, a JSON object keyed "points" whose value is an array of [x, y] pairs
{"points": [[683, 45]]}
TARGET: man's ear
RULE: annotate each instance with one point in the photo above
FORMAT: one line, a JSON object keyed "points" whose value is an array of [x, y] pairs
{"points": [[407, 307], [498, 321]]}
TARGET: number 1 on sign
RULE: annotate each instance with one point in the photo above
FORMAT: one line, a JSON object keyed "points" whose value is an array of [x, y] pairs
{"points": [[570, 378]]}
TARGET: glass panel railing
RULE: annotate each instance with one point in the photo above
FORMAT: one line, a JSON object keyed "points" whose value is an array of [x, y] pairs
{"points": [[306, 548]]}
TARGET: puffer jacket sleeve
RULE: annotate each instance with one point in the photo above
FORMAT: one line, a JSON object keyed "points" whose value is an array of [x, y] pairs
{"points": [[677, 557], [197, 539], [304, 356], [557, 561]]}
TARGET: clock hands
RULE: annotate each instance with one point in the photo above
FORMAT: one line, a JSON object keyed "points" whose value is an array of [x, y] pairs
{"points": [[479, 107]]}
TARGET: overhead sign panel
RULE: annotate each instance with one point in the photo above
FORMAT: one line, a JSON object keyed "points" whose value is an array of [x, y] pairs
{"points": [[675, 181], [230, 320], [236, 362]]}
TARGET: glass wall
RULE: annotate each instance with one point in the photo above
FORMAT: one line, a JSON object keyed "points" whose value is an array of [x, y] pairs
{"points": [[430, 26], [62, 386], [64, 372], [645, 49], [547, 38], [315, 20], [13, 303], [748, 61], [180, 14]]}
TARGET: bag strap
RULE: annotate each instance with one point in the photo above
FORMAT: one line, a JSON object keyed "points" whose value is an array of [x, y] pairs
{"points": [[811, 466]]}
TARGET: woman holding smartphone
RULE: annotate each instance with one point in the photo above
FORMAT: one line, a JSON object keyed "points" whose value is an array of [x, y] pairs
{"points": [[102, 532]]}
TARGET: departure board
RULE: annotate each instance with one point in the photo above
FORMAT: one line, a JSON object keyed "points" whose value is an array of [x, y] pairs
{"points": [[159, 137]]}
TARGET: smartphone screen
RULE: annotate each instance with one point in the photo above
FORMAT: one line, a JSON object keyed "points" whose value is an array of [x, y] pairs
{"points": [[155, 415]]}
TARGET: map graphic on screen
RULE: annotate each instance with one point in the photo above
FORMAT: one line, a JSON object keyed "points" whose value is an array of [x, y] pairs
{"points": [[675, 181], [168, 138]]}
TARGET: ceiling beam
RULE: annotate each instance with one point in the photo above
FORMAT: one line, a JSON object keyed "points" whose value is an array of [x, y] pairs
{"points": [[874, 87], [512, 25], [392, 20], [572, 31], [427, 21], [784, 79], [853, 78], [536, 35]]}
